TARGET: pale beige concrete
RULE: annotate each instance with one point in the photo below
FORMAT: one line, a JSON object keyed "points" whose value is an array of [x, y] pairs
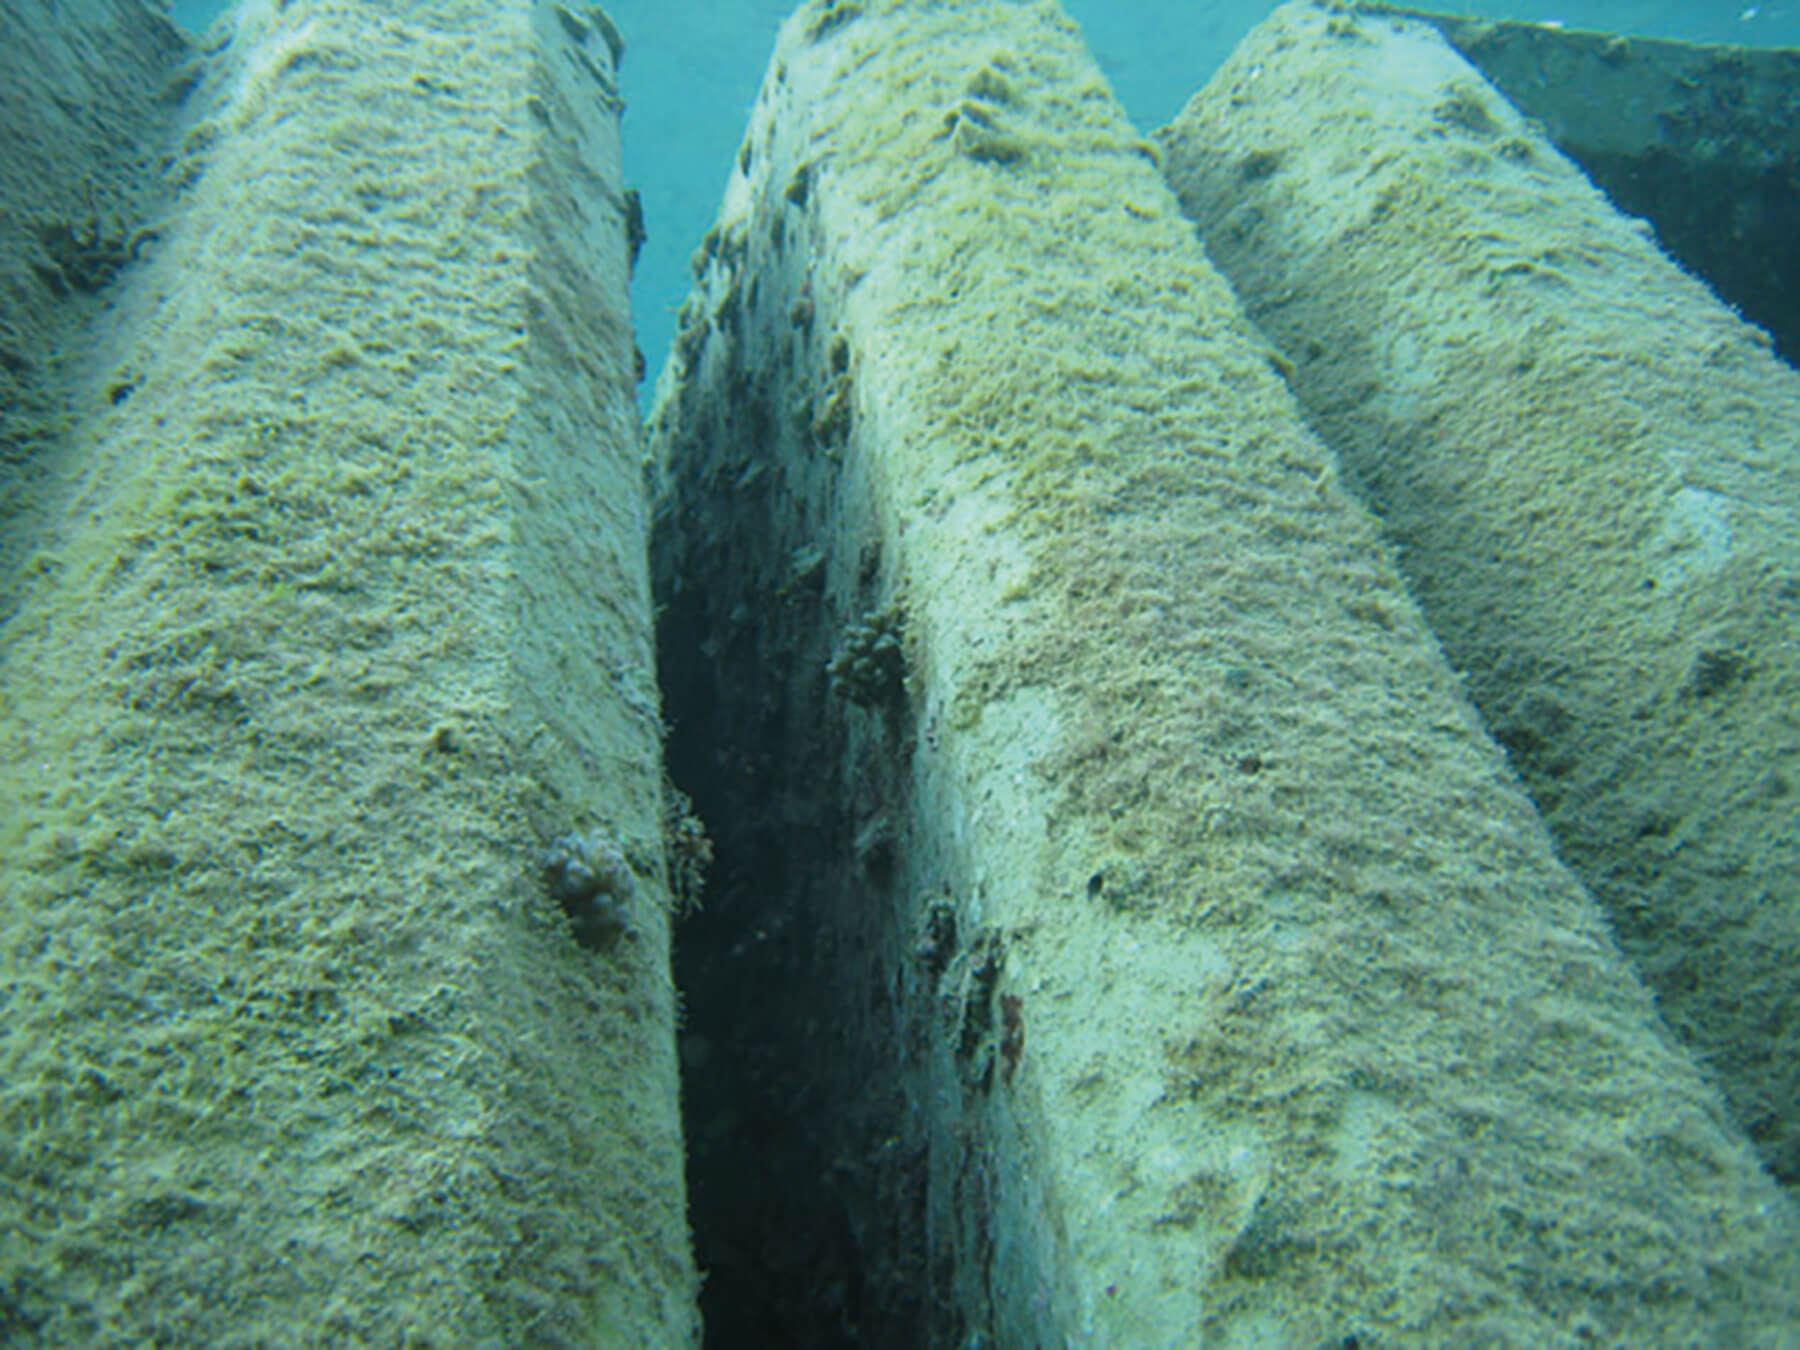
{"points": [[1590, 468], [1236, 993]]}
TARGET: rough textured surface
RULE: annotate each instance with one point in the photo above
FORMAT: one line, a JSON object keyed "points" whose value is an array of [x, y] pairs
{"points": [[1701, 140], [1232, 990], [337, 616], [1592, 471]]}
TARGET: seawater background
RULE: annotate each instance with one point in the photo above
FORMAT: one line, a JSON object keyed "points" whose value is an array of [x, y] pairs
{"points": [[692, 68]]}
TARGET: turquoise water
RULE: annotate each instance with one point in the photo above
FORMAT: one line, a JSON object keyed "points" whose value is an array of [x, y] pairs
{"points": [[692, 68]]}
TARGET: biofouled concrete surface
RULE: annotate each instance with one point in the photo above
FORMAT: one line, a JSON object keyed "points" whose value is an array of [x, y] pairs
{"points": [[1590, 467], [1103, 819], [1696, 139], [331, 615]]}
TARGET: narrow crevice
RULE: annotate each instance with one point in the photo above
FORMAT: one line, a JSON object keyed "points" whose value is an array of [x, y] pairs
{"points": [[806, 1204]]}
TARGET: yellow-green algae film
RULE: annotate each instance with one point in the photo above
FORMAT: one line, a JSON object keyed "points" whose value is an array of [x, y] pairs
{"points": [[339, 616]]}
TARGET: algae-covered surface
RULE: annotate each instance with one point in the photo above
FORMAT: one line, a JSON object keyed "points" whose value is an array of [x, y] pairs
{"points": [[338, 615], [1587, 463], [1270, 1018]]}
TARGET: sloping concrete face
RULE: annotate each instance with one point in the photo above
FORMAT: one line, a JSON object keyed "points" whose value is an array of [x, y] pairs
{"points": [[84, 86], [1153, 944], [1590, 468], [1699, 140], [337, 617]]}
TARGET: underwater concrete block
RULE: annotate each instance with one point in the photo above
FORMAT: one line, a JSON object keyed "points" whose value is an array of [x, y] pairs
{"points": [[1589, 466], [1160, 952], [327, 707], [1697, 138]]}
